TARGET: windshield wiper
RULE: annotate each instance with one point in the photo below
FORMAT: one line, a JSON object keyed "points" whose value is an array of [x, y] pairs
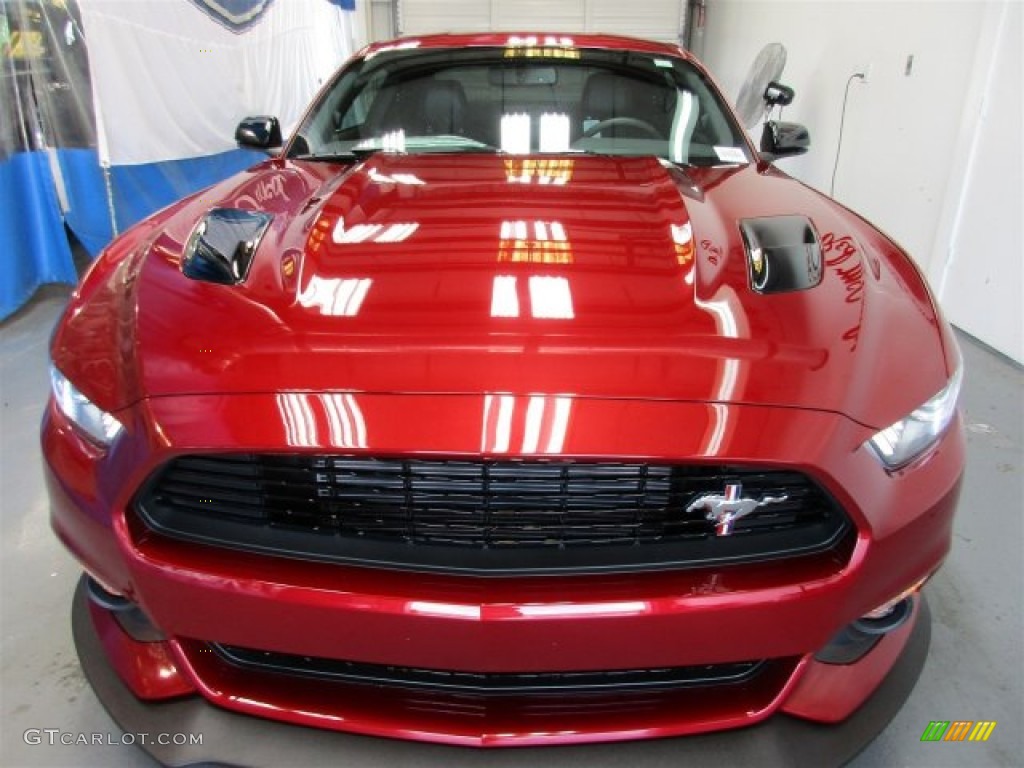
{"points": [[347, 156], [706, 162], [355, 155], [482, 149]]}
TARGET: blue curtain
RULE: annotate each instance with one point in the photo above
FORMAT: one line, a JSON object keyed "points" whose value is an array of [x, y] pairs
{"points": [[47, 148], [139, 190], [32, 241]]}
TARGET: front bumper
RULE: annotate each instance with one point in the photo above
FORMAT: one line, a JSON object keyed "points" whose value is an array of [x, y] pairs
{"points": [[234, 739], [782, 612]]}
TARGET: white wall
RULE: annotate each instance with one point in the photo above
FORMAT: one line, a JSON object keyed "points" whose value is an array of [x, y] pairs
{"points": [[903, 163], [654, 19], [977, 266]]}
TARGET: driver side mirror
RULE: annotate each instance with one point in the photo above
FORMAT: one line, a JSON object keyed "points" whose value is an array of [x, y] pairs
{"points": [[262, 133], [779, 139]]}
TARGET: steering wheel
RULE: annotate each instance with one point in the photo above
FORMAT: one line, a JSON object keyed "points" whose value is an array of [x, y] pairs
{"points": [[632, 122]]}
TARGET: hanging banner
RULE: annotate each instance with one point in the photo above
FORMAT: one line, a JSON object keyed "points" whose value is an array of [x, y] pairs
{"points": [[172, 81], [166, 123], [114, 109]]}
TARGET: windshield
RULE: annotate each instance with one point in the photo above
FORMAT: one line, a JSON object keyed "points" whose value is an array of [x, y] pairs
{"points": [[523, 100]]}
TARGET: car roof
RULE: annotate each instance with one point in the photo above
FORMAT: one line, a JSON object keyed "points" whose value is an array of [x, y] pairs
{"points": [[517, 39]]}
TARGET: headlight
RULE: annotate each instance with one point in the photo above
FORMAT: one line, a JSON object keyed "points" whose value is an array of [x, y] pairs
{"points": [[908, 438], [99, 425]]}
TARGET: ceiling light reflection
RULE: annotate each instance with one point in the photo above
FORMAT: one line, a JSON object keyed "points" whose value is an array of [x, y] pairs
{"points": [[393, 141], [549, 244], [409, 179], [496, 432], [554, 132], [504, 299], [550, 298], [335, 296], [318, 233], [344, 421], [515, 133], [448, 610], [299, 422], [395, 232], [730, 322], [682, 127], [586, 609], [356, 234], [303, 416], [682, 239], [555, 171], [547, 421], [536, 46], [402, 46], [543, 424]]}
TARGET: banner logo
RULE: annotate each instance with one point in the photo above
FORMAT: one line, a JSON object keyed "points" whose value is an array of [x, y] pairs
{"points": [[958, 730], [236, 15]]}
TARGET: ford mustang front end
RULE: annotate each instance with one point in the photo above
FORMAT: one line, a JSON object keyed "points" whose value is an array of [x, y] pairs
{"points": [[517, 401]]}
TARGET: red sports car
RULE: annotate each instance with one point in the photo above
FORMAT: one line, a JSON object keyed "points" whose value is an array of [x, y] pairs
{"points": [[517, 400]]}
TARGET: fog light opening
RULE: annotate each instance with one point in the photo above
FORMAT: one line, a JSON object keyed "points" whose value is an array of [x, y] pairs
{"points": [[891, 614], [886, 618], [880, 613], [859, 637]]}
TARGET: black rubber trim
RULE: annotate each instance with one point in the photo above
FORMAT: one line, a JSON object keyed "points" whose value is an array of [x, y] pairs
{"points": [[232, 739], [489, 684], [126, 613], [848, 646], [105, 599]]}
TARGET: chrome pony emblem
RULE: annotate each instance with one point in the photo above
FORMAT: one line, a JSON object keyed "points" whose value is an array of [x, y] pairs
{"points": [[725, 510]]}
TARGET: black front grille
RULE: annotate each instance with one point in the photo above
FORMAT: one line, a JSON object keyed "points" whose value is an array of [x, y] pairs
{"points": [[485, 516], [490, 684]]}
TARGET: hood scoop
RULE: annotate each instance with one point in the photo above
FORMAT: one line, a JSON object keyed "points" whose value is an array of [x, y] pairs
{"points": [[222, 245], [783, 253]]}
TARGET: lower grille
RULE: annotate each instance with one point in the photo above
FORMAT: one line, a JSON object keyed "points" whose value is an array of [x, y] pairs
{"points": [[488, 517], [487, 709], [562, 683]]}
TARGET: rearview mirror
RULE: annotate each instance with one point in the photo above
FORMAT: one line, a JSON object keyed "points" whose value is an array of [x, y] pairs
{"points": [[263, 133], [779, 139]]}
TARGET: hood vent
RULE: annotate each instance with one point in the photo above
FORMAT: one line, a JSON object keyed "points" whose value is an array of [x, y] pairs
{"points": [[221, 248], [783, 253]]}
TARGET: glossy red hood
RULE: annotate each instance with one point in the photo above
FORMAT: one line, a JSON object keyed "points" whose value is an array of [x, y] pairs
{"points": [[590, 276]]}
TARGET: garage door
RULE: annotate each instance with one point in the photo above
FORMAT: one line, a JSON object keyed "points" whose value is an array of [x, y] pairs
{"points": [[652, 19]]}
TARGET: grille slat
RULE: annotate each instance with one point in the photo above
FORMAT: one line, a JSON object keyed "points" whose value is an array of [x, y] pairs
{"points": [[516, 515], [491, 684]]}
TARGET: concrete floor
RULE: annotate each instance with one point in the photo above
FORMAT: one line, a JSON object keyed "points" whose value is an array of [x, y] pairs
{"points": [[974, 671]]}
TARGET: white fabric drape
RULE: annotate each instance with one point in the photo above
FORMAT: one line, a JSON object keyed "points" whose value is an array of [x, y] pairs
{"points": [[169, 82]]}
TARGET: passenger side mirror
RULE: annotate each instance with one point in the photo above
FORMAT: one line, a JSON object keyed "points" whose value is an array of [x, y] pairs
{"points": [[779, 139], [262, 133]]}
